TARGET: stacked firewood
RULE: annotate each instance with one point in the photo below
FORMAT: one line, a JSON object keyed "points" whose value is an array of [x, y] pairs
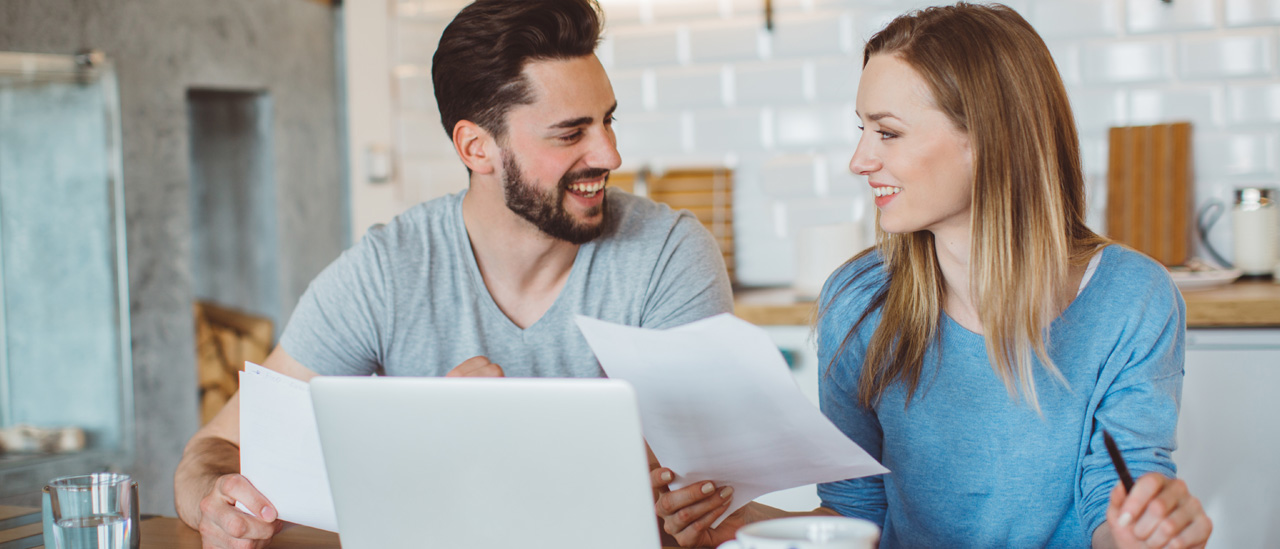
{"points": [[225, 339]]}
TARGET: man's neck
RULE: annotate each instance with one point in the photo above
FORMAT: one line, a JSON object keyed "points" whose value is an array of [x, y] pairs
{"points": [[523, 268]]}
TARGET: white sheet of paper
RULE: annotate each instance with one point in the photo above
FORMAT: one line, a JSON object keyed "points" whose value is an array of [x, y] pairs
{"points": [[280, 447], [718, 403]]}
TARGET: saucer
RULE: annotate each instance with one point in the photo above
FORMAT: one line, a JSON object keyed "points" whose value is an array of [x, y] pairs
{"points": [[1189, 281]]}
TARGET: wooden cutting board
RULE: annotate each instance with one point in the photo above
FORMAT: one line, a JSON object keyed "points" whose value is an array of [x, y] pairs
{"points": [[706, 193], [1149, 195]]}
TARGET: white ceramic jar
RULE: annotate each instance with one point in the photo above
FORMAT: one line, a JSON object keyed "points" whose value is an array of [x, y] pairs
{"points": [[1255, 221]]}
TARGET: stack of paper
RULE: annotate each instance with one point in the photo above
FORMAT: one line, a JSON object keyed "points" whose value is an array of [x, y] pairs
{"points": [[718, 403]]}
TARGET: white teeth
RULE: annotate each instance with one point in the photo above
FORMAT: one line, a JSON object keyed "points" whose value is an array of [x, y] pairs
{"points": [[886, 191], [587, 187]]}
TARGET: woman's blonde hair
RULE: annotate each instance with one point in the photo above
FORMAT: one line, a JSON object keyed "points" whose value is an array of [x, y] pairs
{"points": [[993, 76]]}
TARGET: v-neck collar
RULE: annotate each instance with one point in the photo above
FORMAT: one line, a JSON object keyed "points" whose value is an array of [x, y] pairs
{"points": [[463, 243], [1101, 255]]}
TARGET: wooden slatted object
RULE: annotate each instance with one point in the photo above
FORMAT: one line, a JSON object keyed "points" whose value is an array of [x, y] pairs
{"points": [[225, 338], [1149, 197], [706, 193]]}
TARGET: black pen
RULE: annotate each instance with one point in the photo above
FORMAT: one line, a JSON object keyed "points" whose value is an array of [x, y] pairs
{"points": [[1118, 461]]}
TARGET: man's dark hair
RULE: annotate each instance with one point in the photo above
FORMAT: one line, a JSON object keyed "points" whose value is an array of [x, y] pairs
{"points": [[477, 68]]}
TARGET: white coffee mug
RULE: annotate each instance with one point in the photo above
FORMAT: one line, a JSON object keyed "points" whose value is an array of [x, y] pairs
{"points": [[807, 533]]}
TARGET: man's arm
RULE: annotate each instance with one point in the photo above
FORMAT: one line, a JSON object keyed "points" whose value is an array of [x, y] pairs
{"points": [[207, 483]]}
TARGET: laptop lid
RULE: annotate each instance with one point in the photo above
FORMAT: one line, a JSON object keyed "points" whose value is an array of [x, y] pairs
{"points": [[485, 463]]}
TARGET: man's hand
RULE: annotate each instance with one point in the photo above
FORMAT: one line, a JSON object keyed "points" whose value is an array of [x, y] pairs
{"points": [[222, 525], [1157, 512], [476, 366]]}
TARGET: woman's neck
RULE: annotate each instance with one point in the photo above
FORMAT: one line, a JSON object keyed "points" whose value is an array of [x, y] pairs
{"points": [[952, 247]]}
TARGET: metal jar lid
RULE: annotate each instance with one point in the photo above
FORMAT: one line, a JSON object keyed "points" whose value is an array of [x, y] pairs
{"points": [[1255, 196]]}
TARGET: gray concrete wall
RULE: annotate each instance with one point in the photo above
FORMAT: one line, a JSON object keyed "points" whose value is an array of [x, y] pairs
{"points": [[162, 48]]}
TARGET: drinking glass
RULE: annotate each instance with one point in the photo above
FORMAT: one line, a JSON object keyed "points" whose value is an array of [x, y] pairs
{"points": [[95, 511]]}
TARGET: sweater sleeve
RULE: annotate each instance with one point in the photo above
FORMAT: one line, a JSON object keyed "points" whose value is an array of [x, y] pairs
{"points": [[1139, 407], [840, 366]]}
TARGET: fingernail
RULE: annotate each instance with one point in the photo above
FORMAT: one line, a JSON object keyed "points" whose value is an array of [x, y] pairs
{"points": [[268, 514], [728, 491], [708, 488], [666, 476], [1124, 519]]}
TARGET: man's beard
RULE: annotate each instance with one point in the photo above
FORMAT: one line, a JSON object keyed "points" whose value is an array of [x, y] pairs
{"points": [[545, 209]]}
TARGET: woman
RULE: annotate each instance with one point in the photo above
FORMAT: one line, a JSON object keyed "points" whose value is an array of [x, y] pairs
{"points": [[980, 349]]}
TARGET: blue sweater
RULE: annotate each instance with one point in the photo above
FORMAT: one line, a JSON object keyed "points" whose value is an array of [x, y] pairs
{"points": [[972, 466]]}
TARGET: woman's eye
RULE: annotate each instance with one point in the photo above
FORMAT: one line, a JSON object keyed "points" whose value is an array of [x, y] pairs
{"points": [[886, 135], [610, 120]]}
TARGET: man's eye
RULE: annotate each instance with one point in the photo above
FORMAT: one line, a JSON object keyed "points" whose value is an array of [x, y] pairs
{"points": [[571, 137]]}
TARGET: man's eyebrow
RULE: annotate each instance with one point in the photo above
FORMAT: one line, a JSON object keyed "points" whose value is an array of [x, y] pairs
{"points": [[582, 120]]}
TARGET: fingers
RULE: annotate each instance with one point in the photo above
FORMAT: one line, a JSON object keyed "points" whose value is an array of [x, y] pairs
{"points": [[237, 488], [1158, 512], [1161, 505], [221, 523], [1168, 528], [693, 533], [1194, 535], [682, 508], [660, 478], [476, 366], [1136, 501]]}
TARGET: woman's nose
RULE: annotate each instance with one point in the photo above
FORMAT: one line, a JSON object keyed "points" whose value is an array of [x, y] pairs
{"points": [[864, 161]]}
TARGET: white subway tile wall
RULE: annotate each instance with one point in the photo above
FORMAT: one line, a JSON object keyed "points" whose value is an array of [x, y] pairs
{"points": [[1161, 16], [1253, 104], [1247, 13], [726, 41], [1127, 62], [690, 87], [1076, 18], [1202, 106], [702, 81], [771, 83], [729, 131], [1213, 57], [629, 89]]}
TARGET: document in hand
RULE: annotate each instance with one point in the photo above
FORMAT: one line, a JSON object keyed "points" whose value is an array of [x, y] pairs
{"points": [[718, 403], [280, 447]]}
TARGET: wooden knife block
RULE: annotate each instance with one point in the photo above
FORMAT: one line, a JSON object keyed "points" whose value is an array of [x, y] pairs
{"points": [[1149, 196]]}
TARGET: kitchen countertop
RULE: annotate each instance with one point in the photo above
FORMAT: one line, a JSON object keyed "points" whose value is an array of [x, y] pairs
{"points": [[1243, 304]]}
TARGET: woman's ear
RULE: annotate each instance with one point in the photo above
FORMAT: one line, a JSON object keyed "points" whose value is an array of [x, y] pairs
{"points": [[471, 142]]}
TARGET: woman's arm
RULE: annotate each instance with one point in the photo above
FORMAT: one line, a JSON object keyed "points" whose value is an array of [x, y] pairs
{"points": [[1138, 405]]}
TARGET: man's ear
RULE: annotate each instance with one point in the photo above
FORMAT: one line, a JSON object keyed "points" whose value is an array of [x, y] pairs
{"points": [[472, 145]]}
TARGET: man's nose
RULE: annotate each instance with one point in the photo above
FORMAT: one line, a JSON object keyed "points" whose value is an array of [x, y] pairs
{"points": [[604, 151]]}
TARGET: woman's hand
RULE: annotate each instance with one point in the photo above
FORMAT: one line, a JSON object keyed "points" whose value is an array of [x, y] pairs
{"points": [[687, 513], [1157, 512]]}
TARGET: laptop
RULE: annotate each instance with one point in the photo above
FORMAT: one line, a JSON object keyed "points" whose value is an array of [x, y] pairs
{"points": [[470, 463]]}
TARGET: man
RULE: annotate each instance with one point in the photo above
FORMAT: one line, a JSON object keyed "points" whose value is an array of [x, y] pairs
{"points": [[485, 282]]}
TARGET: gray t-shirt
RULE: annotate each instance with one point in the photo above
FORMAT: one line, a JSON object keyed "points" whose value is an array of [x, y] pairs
{"points": [[408, 300]]}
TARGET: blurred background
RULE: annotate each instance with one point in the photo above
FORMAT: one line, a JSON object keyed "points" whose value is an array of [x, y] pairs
{"points": [[174, 172]]}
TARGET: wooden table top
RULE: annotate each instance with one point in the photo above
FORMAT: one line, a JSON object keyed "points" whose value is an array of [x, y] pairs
{"points": [[170, 533], [1243, 304]]}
